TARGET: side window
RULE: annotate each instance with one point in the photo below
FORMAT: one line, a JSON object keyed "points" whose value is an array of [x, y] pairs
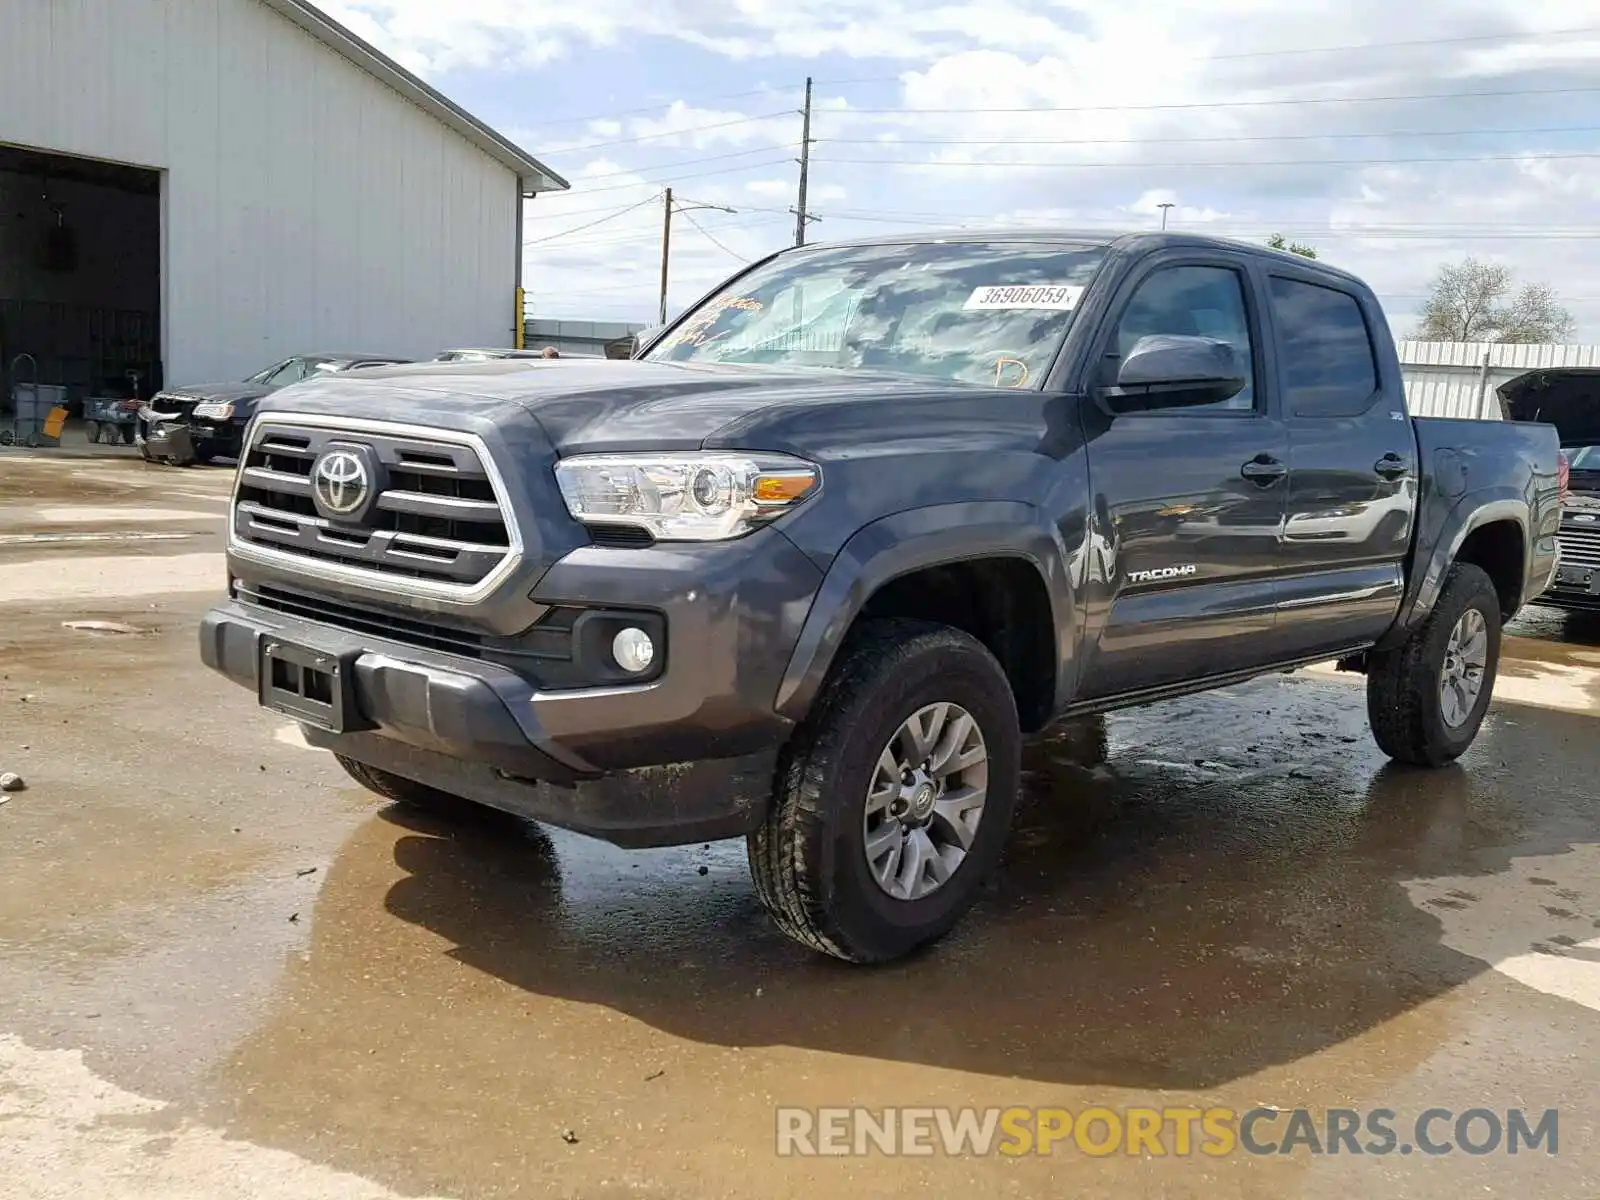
{"points": [[1194, 302], [1329, 369]]}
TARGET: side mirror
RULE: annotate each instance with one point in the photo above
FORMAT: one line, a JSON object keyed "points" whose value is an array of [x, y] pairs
{"points": [[1172, 371], [644, 337]]}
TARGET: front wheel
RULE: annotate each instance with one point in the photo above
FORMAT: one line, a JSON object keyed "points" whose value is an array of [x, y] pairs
{"points": [[1427, 697], [893, 800]]}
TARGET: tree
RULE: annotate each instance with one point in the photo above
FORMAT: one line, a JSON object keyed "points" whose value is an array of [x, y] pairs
{"points": [[1278, 242], [1472, 301]]}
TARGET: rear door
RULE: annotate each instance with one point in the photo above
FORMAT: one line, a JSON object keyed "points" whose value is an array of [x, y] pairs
{"points": [[1352, 467], [1188, 501]]}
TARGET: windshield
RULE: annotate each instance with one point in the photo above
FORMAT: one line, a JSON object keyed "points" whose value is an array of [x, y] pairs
{"points": [[268, 373], [1583, 458], [977, 312], [293, 371]]}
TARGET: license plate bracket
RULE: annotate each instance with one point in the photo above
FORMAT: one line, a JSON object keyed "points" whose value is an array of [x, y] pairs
{"points": [[313, 686], [1576, 577]]}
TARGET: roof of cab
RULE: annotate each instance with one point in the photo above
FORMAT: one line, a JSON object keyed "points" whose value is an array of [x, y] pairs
{"points": [[1130, 241]]}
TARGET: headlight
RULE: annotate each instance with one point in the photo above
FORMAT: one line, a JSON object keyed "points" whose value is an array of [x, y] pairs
{"points": [[214, 410], [684, 497]]}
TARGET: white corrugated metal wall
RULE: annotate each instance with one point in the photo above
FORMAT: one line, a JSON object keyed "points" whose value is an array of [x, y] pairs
{"points": [[306, 206], [1458, 379]]}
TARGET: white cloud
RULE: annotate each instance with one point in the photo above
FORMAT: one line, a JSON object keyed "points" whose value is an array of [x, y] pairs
{"points": [[1124, 105]]}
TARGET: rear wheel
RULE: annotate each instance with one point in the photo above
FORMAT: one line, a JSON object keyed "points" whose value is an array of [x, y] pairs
{"points": [[419, 796], [1427, 697], [893, 800]]}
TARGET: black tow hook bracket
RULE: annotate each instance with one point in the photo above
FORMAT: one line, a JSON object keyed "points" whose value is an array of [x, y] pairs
{"points": [[1355, 663]]}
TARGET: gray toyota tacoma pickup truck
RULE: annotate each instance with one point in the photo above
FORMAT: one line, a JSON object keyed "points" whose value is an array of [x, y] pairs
{"points": [[810, 567]]}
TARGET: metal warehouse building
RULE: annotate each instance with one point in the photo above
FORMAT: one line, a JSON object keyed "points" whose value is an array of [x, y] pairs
{"points": [[1461, 379], [193, 189]]}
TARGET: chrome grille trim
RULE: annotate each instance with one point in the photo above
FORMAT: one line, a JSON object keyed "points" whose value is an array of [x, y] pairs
{"points": [[1580, 545], [264, 434]]}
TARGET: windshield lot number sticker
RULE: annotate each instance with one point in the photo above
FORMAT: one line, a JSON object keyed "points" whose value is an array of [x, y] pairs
{"points": [[1052, 297]]}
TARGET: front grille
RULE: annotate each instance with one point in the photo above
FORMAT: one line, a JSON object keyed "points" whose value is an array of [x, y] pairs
{"points": [[548, 644], [436, 517], [1580, 545], [627, 537]]}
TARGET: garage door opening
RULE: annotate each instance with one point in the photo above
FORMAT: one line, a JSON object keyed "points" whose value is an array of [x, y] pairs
{"points": [[80, 280]]}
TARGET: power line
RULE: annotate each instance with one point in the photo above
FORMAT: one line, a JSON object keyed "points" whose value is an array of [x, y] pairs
{"points": [[667, 107], [588, 225], [682, 162], [1517, 36], [743, 208], [578, 190], [771, 90], [648, 137], [1211, 104], [652, 235], [1288, 219], [1290, 162], [710, 237], [890, 143], [1244, 228]]}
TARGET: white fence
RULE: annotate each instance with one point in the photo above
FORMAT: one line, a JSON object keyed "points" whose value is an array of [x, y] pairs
{"points": [[1458, 379]]}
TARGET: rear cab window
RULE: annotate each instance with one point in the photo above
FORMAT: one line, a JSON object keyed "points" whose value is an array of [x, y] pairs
{"points": [[1328, 363]]}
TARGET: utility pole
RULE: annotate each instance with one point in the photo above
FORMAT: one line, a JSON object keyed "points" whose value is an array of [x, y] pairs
{"points": [[666, 250], [668, 204], [1164, 207], [801, 216]]}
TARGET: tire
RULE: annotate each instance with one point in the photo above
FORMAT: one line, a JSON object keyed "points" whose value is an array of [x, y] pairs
{"points": [[809, 858], [414, 795], [1404, 702]]}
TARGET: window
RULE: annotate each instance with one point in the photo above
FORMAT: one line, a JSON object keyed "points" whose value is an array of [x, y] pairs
{"points": [[988, 313], [1329, 369], [291, 372], [1583, 458], [1193, 302]]}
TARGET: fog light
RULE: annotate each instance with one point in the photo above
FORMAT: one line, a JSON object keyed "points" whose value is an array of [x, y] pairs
{"points": [[633, 650]]}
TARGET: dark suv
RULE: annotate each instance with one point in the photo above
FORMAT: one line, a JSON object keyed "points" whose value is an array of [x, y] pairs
{"points": [[212, 416], [810, 567]]}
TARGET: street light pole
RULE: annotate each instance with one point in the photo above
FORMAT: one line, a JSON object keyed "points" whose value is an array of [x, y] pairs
{"points": [[1164, 207], [666, 237]]}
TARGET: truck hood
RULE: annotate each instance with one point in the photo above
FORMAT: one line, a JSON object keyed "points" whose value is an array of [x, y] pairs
{"points": [[218, 391], [600, 405], [1569, 399]]}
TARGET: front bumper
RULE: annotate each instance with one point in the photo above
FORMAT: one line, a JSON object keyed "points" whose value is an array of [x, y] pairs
{"points": [[1576, 588], [474, 729], [166, 440], [686, 757], [217, 439]]}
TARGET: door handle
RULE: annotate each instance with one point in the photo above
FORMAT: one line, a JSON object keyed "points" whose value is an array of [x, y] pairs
{"points": [[1263, 470], [1392, 466]]}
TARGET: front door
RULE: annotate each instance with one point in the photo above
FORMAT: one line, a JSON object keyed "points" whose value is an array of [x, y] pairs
{"points": [[1188, 501], [1352, 471]]}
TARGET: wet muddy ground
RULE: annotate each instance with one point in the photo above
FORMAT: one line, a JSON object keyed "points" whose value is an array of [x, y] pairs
{"points": [[224, 972]]}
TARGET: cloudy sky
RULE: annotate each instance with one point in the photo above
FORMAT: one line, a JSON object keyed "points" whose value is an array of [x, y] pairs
{"points": [[1392, 137]]}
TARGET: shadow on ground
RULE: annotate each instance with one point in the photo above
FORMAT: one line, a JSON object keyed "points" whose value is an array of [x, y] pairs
{"points": [[1169, 919]]}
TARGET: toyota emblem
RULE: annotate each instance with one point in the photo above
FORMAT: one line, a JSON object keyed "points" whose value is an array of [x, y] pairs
{"points": [[341, 482]]}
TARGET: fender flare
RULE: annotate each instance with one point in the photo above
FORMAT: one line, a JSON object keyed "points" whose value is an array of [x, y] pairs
{"points": [[913, 540], [1470, 513]]}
